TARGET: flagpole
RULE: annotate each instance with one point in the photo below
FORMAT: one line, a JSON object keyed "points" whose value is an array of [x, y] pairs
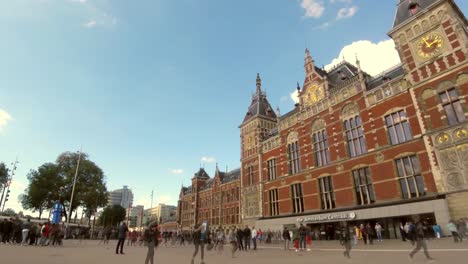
{"points": [[73, 192]]}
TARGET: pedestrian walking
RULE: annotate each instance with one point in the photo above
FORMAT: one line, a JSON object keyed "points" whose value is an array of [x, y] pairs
{"points": [[452, 228], [437, 231], [151, 238], [402, 232], [378, 231], [220, 238], [345, 240], [233, 241], [240, 237], [25, 232], [254, 238], [123, 229], [286, 238], [420, 240], [302, 237], [247, 237], [199, 235]]}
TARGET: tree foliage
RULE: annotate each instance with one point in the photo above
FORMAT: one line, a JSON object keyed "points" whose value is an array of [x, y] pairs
{"points": [[53, 182], [3, 174], [9, 212], [112, 215]]}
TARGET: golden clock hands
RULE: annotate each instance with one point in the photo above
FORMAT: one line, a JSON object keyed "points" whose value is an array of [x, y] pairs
{"points": [[433, 42], [427, 44]]}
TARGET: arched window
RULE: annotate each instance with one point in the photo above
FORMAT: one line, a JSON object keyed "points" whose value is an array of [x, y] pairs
{"points": [[452, 106], [355, 136], [320, 143], [294, 163]]}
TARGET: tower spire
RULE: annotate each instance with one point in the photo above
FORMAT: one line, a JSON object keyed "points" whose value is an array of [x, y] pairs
{"points": [[308, 62], [259, 84]]}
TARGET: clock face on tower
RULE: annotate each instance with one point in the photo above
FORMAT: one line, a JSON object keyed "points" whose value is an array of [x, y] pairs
{"points": [[314, 94], [430, 45]]}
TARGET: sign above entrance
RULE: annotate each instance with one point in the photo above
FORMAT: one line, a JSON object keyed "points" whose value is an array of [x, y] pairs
{"points": [[328, 217]]}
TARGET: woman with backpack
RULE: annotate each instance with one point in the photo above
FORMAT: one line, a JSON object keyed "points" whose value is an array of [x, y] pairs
{"points": [[151, 238]]}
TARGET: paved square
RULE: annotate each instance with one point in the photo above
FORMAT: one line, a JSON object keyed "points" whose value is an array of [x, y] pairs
{"points": [[388, 252]]}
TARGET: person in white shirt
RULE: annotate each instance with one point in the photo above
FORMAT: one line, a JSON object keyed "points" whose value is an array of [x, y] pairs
{"points": [[378, 230], [254, 238]]}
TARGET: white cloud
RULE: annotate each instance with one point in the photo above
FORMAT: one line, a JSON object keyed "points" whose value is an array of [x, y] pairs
{"points": [[374, 57], [313, 8], [295, 96], [208, 159], [90, 24], [79, 1], [341, 1], [177, 171], [5, 117], [346, 12]]}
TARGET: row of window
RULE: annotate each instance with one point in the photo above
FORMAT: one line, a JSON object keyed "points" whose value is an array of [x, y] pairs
{"points": [[397, 126], [409, 177], [398, 129]]}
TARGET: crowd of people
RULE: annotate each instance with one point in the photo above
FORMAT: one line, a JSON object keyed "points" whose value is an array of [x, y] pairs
{"points": [[15, 231]]}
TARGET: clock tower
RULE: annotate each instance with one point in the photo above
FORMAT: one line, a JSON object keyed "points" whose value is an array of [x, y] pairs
{"points": [[432, 40], [259, 120], [430, 37]]}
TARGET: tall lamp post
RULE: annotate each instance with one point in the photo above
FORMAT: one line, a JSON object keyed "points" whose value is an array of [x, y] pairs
{"points": [[8, 184], [73, 192]]}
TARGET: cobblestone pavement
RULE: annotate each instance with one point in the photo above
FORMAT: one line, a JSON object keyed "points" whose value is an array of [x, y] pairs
{"points": [[391, 252]]}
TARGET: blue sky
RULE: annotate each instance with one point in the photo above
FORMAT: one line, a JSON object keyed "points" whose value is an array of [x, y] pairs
{"points": [[153, 88]]}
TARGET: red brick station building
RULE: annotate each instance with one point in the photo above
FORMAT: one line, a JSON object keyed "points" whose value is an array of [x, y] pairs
{"points": [[356, 148]]}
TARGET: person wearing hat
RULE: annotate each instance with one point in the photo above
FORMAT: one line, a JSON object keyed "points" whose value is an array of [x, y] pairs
{"points": [[151, 237]]}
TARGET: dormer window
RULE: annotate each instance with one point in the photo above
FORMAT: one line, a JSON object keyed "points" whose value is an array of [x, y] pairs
{"points": [[386, 79], [342, 75], [413, 7]]}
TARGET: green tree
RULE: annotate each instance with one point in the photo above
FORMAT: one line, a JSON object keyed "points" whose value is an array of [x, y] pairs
{"points": [[9, 212], [54, 182], [112, 215], [44, 189], [3, 175]]}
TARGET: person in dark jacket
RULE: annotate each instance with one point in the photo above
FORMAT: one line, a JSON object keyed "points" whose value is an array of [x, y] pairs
{"points": [[287, 238], [151, 237], [240, 237], [123, 229], [420, 240], [345, 240], [247, 237]]}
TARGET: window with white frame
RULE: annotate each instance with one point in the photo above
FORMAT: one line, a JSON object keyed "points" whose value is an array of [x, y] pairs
{"points": [[273, 202], [355, 136], [452, 106], [297, 198], [398, 127], [321, 149], [410, 178], [327, 197], [271, 169], [363, 187]]}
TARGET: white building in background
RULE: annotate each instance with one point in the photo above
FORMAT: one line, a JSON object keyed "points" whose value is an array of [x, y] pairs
{"points": [[135, 216], [161, 213], [122, 197]]}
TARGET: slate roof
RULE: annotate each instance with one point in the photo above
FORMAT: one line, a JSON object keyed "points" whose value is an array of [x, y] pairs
{"points": [[201, 174], [388, 75], [341, 72], [231, 176], [403, 10], [207, 185], [259, 105]]}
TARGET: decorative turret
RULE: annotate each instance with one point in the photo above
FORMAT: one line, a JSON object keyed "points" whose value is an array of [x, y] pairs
{"points": [[259, 105], [308, 63]]}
